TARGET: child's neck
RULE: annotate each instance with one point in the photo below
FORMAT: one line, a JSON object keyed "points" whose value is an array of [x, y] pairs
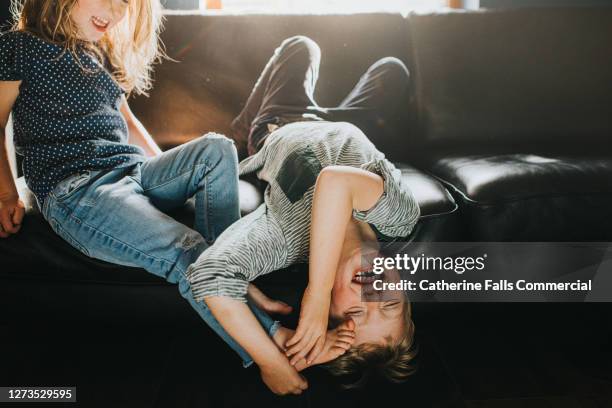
{"points": [[357, 234]]}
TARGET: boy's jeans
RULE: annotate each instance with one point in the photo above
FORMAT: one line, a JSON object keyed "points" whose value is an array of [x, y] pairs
{"points": [[117, 215]]}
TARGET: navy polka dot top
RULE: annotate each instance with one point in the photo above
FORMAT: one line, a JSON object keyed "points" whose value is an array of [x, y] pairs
{"points": [[65, 120]]}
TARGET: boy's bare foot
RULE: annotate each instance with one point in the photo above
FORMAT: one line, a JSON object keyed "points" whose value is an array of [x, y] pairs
{"points": [[337, 342], [265, 303]]}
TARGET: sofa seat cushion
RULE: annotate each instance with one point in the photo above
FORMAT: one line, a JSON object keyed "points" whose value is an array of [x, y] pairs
{"points": [[36, 252], [531, 196], [434, 199], [495, 178]]}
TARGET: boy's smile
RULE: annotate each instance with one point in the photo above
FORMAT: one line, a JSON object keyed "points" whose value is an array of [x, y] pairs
{"points": [[380, 319]]}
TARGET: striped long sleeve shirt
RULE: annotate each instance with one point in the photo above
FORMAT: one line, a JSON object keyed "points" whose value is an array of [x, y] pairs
{"points": [[277, 233]]}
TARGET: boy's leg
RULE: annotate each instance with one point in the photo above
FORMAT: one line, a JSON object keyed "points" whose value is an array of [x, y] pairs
{"points": [[377, 104], [284, 90]]}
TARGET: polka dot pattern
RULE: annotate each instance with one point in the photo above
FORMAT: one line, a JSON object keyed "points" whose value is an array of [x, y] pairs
{"points": [[65, 119]]}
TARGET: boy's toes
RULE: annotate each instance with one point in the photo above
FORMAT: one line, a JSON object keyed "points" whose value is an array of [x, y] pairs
{"points": [[346, 339], [344, 345], [346, 325]]}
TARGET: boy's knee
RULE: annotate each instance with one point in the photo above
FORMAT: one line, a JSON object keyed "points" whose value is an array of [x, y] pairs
{"points": [[393, 67], [301, 44]]}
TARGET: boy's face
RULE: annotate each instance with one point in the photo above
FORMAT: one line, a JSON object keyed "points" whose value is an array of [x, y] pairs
{"points": [[378, 320], [95, 17]]}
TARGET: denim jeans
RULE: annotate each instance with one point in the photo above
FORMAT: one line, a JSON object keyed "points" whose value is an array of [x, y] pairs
{"points": [[118, 216]]}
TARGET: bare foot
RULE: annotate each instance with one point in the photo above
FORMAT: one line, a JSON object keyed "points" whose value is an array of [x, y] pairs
{"points": [[264, 302], [337, 342]]}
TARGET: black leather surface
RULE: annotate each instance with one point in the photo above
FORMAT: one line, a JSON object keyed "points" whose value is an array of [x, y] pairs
{"points": [[433, 198], [489, 179], [513, 77], [527, 197]]}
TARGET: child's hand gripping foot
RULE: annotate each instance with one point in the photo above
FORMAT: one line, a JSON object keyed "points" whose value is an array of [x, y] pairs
{"points": [[337, 342]]}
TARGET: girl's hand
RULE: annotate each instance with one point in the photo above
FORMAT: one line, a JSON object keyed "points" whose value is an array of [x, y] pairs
{"points": [[309, 338], [12, 211], [283, 379]]}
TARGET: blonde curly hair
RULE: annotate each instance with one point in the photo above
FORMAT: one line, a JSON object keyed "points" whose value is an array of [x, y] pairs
{"points": [[129, 49]]}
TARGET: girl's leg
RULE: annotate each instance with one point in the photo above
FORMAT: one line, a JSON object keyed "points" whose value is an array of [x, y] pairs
{"points": [[283, 92], [207, 168], [108, 216]]}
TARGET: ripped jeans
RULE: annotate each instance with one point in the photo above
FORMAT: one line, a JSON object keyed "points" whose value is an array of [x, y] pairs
{"points": [[118, 216]]}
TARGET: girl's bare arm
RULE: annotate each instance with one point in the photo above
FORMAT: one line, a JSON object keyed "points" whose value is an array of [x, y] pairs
{"points": [[11, 207], [138, 134]]}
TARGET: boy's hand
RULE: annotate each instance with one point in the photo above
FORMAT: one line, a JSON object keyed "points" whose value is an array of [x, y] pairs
{"points": [[282, 379], [12, 211], [337, 342], [309, 338]]}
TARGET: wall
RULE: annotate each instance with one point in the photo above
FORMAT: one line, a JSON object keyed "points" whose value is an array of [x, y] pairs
{"points": [[543, 3], [181, 4]]}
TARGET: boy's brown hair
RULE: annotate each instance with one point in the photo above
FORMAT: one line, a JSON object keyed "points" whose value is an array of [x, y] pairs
{"points": [[393, 362]]}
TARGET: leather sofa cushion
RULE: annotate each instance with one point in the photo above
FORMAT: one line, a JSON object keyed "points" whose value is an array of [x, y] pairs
{"points": [[524, 76], [529, 197], [36, 252], [434, 199], [487, 179]]}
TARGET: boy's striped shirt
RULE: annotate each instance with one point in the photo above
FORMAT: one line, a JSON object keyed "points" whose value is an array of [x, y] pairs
{"points": [[277, 234]]}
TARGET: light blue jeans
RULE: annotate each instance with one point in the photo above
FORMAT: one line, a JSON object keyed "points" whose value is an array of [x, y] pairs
{"points": [[118, 216]]}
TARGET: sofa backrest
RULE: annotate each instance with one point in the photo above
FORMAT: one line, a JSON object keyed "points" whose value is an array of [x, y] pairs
{"points": [[220, 58], [540, 76]]}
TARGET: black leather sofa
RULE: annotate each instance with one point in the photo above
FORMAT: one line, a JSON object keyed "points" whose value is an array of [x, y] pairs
{"points": [[506, 136]]}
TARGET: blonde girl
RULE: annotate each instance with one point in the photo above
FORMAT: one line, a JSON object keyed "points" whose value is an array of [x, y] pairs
{"points": [[99, 178]]}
